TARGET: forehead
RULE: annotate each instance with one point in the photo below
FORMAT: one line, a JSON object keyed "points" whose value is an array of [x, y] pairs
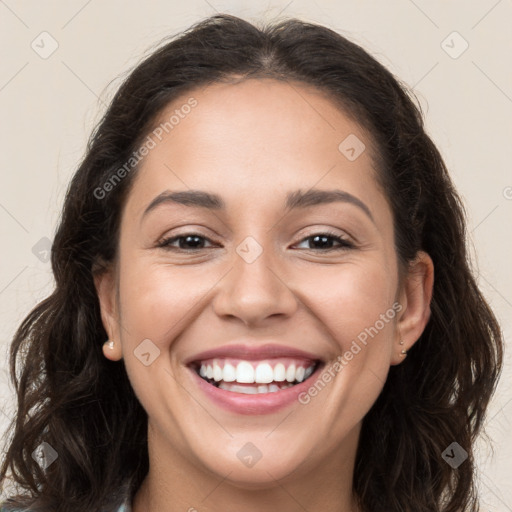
{"points": [[255, 139]]}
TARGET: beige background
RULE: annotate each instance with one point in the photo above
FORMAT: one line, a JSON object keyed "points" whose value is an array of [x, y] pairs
{"points": [[48, 107]]}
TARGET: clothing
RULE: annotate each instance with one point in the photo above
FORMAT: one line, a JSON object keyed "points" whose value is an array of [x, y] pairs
{"points": [[125, 507], [122, 495]]}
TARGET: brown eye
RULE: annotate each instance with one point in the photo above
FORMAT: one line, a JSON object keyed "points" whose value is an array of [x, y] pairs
{"points": [[323, 242], [186, 242]]}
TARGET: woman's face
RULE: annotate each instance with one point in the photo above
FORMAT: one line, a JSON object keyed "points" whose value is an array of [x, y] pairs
{"points": [[256, 290]]}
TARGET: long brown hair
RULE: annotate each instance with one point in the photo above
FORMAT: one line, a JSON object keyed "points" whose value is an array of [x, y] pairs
{"points": [[80, 403]]}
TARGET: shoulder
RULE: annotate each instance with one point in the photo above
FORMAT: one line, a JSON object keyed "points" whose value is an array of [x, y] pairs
{"points": [[125, 507], [6, 508]]}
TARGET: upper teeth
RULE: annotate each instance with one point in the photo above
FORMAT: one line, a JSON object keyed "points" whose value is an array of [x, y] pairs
{"points": [[261, 373]]}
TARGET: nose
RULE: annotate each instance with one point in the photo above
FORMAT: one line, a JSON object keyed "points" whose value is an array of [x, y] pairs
{"points": [[255, 290]]}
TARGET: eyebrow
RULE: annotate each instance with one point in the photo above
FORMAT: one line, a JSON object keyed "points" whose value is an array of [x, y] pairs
{"points": [[294, 200]]}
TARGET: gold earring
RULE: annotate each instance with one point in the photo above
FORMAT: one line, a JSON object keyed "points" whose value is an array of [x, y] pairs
{"points": [[404, 352]]}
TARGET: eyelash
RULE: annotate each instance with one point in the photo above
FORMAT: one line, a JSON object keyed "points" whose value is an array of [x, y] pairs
{"points": [[344, 243]]}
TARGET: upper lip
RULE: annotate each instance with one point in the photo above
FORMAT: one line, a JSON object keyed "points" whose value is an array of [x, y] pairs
{"points": [[251, 353]]}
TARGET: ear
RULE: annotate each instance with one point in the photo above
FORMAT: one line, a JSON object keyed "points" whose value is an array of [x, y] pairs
{"points": [[415, 298], [105, 284]]}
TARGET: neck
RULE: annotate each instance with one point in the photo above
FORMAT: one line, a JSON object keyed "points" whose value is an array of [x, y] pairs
{"points": [[175, 483]]}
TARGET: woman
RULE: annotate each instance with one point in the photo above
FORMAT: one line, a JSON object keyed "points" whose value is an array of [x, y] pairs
{"points": [[246, 315]]}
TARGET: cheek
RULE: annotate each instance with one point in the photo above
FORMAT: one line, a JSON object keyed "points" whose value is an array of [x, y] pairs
{"points": [[158, 300], [350, 298], [158, 303]]}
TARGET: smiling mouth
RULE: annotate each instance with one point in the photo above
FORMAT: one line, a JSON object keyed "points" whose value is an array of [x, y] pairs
{"points": [[255, 377]]}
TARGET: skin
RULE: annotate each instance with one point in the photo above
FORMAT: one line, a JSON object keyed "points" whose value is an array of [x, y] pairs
{"points": [[252, 143]]}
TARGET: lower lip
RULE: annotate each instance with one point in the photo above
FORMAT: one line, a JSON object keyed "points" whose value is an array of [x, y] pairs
{"points": [[262, 403]]}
